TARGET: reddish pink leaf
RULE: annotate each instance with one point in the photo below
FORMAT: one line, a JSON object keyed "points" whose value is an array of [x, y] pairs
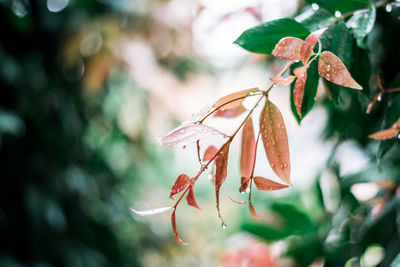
{"points": [[190, 198], [253, 211], [151, 211], [221, 163], [298, 90], [180, 184], [247, 156], [244, 184], [187, 134], [373, 102], [379, 81], [238, 202], [234, 100], [390, 133], [230, 113], [332, 68], [275, 140], [265, 184], [283, 81], [210, 153], [173, 222], [288, 48], [309, 44]]}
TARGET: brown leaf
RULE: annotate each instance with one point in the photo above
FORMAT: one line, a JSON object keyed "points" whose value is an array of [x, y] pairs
{"points": [[332, 68], [275, 140], [180, 184], [231, 112], [309, 44], [247, 155], [244, 184], [210, 153], [151, 211], [191, 199], [221, 163], [187, 134], [298, 90], [373, 102], [288, 48], [173, 222], [253, 211], [265, 184], [283, 81], [235, 99]]}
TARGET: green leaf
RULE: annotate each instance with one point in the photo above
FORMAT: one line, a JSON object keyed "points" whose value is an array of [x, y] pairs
{"points": [[315, 20], [396, 261], [341, 5], [310, 90], [264, 37], [361, 24], [339, 41]]}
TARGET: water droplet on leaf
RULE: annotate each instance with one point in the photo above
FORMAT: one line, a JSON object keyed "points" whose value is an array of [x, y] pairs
{"points": [[315, 6], [223, 225], [379, 98], [388, 8], [338, 14]]}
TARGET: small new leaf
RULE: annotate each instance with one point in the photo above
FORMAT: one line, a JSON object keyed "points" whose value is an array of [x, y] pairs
{"points": [[309, 44], [332, 69], [265, 184], [230, 113], [283, 81], [180, 184], [253, 211], [288, 48], [151, 211], [188, 134], [247, 149], [191, 199], [275, 140], [233, 100], [210, 153]]}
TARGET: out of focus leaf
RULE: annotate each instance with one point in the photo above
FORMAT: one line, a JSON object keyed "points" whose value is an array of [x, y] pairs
{"points": [[180, 184], [332, 69], [361, 24], [265, 184], [341, 5], [221, 163], [173, 222], [233, 100], [191, 199], [309, 44], [275, 140], [188, 134], [314, 20], [253, 211], [247, 155], [385, 134], [151, 211], [288, 48], [264, 37], [283, 81], [210, 153]]}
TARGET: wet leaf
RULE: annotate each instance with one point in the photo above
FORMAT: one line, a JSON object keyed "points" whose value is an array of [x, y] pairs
{"points": [[332, 69], [221, 163], [191, 199], [362, 23], [151, 211], [309, 44], [233, 100], [390, 133], [341, 5], [288, 48], [283, 81], [173, 222], [298, 90], [264, 37], [230, 113], [188, 134], [265, 184], [314, 20], [247, 155], [210, 153], [275, 140], [253, 211], [244, 184], [180, 184]]}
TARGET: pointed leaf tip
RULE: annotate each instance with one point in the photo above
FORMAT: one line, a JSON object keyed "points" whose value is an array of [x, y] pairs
{"points": [[332, 69], [265, 184], [288, 48], [173, 222], [151, 211], [234, 100], [309, 44], [253, 211], [180, 184]]}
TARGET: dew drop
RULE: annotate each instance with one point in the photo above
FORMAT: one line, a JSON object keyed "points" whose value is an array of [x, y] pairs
{"points": [[338, 14], [328, 68], [315, 98], [272, 165], [247, 190], [315, 6], [398, 136], [388, 8], [285, 165], [242, 192], [283, 126], [223, 225], [379, 98], [281, 166], [210, 176], [328, 75]]}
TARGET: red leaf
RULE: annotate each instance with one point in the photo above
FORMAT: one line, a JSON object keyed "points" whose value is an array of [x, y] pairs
{"points": [[244, 184], [309, 44], [238, 202], [379, 81], [332, 68], [275, 140], [234, 100], [373, 102], [247, 149], [390, 133], [253, 211], [288, 48], [174, 228], [190, 198], [265, 184], [180, 184], [298, 90], [187, 134], [151, 211], [283, 81], [221, 163], [210, 153], [230, 113]]}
